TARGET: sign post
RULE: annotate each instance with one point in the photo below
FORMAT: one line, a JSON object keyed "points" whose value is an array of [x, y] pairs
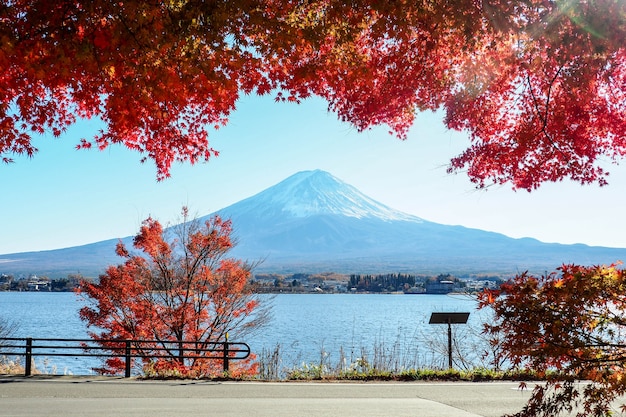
{"points": [[449, 319]]}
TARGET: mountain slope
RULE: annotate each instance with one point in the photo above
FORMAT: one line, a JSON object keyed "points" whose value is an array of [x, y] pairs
{"points": [[313, 222]]}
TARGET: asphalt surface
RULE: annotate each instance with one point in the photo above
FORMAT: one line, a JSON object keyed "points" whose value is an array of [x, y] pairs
{"points": [[102, 396]]}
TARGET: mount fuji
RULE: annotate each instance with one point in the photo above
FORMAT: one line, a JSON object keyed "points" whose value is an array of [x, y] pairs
{"points": [[314, 222]]}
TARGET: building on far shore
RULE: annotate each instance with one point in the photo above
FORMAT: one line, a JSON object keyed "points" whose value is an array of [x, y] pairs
{"points": [[439, 287], [38, 284]]}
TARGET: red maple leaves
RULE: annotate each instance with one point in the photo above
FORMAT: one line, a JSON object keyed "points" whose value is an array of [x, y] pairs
{"points": [[539, 86], [567, 326]]}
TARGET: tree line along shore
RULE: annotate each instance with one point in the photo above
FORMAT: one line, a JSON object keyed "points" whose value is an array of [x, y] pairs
{"points": [[297, 283]]}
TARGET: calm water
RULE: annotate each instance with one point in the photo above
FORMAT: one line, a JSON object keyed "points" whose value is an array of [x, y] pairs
{"points": [[307, 327]]}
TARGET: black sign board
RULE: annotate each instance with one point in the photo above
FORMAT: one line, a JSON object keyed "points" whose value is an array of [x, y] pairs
{"points": [[448, 318]]}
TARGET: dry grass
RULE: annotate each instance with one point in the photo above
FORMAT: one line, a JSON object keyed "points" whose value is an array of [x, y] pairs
{"points": [[10, 366]]}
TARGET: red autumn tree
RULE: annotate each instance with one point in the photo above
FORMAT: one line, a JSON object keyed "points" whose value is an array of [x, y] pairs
{"points": [[568, 326], [178, 289], [538, 85]]}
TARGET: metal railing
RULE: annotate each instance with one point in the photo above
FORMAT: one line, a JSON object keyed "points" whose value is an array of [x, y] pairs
{"points": [[126, 348]]}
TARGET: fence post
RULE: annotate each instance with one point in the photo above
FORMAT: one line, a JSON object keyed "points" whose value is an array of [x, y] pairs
{"points": [[128, 358], [449, 345], [28, 357], [226, 351]]}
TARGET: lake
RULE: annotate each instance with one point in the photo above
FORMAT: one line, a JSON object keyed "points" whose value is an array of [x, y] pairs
{"points": [[306, 328]]}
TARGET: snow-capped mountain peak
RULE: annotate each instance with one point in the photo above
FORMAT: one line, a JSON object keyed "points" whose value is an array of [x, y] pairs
{"points": [[310, 193]]}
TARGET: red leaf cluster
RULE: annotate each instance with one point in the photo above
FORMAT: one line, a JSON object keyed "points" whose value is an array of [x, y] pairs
{"points": [[567, 326], [538, 85]]}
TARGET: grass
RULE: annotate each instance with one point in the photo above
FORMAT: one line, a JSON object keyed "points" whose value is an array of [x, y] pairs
{"points": [[15, 366], [382, 364], [478, 374], [10, 366], [315, 373], [360, 370]]}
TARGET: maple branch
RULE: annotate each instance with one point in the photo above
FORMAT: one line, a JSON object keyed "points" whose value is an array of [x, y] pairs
{"points": [[550, 85], [544, 114], [130, 31]]}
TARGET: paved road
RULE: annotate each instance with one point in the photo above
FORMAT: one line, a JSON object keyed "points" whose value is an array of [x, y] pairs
{"points": [[98, 396]]}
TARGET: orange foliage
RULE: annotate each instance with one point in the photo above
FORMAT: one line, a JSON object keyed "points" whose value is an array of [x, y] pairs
{"points": [[569, 325], [538, 85], [179, 290]]}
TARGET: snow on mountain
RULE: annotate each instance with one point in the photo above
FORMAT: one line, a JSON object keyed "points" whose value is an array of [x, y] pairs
{"points": [[310, 193]]}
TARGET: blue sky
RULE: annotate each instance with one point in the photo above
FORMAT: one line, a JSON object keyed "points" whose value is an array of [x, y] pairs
{"points": [[63, 197]]}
